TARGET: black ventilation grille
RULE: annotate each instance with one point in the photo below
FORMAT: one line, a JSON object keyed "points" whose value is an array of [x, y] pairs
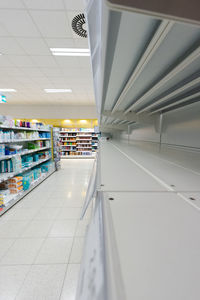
{"points": [[77, 25]]}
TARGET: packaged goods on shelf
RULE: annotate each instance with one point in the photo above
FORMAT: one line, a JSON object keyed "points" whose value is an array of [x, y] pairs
{"points": [[15, 179], [16, 163], [6, 166], [2, 150], [15, 185]]}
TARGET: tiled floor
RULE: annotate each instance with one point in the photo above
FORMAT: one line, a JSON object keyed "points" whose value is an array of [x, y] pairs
{"points": [[41, 237]]}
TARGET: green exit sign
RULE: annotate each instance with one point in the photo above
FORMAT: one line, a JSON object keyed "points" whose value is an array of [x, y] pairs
{"points": [[2, 99]]}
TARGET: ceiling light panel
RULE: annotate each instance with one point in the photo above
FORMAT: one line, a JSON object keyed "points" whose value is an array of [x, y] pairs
{"points": [[70, 51], [7, 90], [70, 54], [58, 90]]}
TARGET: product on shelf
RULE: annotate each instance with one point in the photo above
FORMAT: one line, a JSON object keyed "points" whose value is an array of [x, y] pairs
{"points": [[78, 142]]}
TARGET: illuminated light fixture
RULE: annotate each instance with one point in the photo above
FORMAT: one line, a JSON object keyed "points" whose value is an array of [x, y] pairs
{"points": [[70, 51], [70, 54], [7, 90], [83, 121], [58, 90], [35, 121], [67, 121]]}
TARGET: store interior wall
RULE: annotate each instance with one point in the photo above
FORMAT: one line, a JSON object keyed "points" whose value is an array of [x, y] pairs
{"points": [[49, 111]]}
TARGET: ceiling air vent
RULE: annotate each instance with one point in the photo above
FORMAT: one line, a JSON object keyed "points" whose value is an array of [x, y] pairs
{"points": [[77, 25]]}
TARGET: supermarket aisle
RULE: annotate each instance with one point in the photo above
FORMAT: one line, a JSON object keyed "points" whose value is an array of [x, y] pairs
{"points": [[41, 237]]}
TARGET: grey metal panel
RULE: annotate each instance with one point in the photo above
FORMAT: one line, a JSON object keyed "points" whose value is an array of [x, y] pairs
{"points": [[181, 10], [134, 33], [145, 133], [92, 280], [157, 238], [176, 44], [181, 126]]}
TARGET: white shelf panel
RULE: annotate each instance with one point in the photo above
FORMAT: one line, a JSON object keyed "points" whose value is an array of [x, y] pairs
{"points": [[23, 153], [76, 131], [77, 156], [179, 176], [7, 176], [83, 139], [83, 147], [19, 196], [118, 173], [24, 128], [24, 140], [155, 238]]}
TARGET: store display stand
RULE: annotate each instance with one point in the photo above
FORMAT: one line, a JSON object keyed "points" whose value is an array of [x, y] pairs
{"points": [[78, 144], [11, 199]]}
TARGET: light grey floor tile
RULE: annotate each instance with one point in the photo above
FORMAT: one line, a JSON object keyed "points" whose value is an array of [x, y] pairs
{"points": [[46, 213], [63, 228], [68, 213], [5, 244], [54, 250], [23, 251], [37, 228], [77, 250], [82, 228], [70, 283], [73, 203], [11, 279], [53, 202], [44, 282], [12, 229], [21, 214]]}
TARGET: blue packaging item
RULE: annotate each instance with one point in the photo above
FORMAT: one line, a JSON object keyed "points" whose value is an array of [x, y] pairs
{"points": [[26, 182], [35, 157]]}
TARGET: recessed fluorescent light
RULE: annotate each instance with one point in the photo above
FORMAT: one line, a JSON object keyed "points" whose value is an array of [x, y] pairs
{"points": [[7, 90], [71, 54], [71, 50], [58, 90]]}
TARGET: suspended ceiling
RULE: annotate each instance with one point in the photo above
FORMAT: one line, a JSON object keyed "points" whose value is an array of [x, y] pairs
{"points": [[28, 29]]}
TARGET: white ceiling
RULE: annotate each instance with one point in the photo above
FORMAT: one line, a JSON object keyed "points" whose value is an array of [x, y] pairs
{"points": [[28, 28]]}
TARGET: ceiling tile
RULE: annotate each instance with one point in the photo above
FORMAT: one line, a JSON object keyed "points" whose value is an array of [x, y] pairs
{"points": [[52, 23], [12, 72], [75, 5], [18, 23], [84, 61], [34, 46], [60, 43], [81, 43], [3, 31], [11, 4], [44, 61], [21, 60], [44, 4], [67, 61], [32, 72], [52, 72], [8, 45], [5, 62]]}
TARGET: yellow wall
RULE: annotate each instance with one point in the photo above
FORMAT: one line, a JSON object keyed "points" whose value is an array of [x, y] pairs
{"points": [[73, 123]]}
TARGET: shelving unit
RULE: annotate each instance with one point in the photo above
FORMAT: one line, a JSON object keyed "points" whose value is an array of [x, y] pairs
{"points": [[146, 221], [78, 144], [42, 151]]}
